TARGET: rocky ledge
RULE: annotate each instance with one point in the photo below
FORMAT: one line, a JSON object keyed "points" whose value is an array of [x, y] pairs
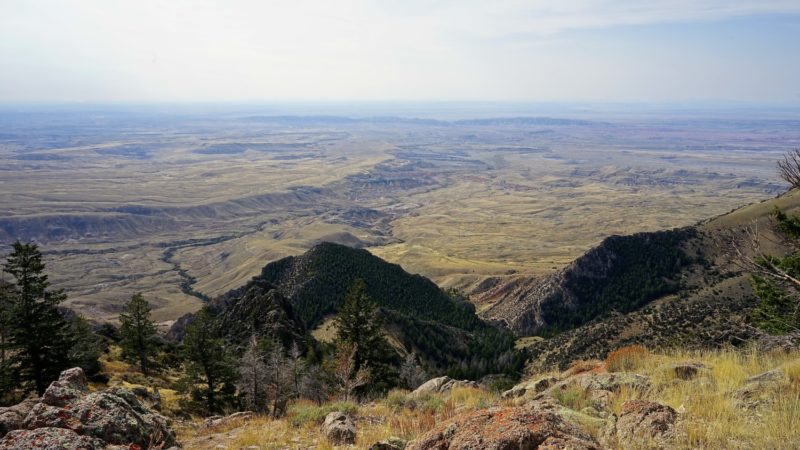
{"points": [[68, 416]]}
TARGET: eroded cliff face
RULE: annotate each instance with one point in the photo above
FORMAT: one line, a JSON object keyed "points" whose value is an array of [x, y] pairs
{"points": [[621, 274]]}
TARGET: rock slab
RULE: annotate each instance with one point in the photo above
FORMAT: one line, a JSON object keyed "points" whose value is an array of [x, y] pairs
{"points": [[505, 429], [339, 428], [68, 414]]}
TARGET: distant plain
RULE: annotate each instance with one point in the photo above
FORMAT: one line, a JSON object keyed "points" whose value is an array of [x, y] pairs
{"points": [[185, 206]]}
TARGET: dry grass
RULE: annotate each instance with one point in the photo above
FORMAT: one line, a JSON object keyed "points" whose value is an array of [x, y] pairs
{"points": [[712, 415], [582, 366], [626, 359]]}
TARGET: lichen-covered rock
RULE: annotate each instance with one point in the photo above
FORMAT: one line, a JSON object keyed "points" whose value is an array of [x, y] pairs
{"points": [[12, 417], [442, 385], [339, 428], [612, 381], [530, 387], [113, 417], [216, 421], [505, 429], [760, 389], [641, 421], [392, 443], [69, 386], [49, 439]]}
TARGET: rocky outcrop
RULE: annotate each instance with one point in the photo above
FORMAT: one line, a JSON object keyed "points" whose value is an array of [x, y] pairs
{"points": [[643, 421], [442, 385], [531, 387], [504, 429], [339, 428], [68, 414], [257, 308], [235, 418], [648, 265], [12, 417], [49, 439], [392, 443], [760, 389]]}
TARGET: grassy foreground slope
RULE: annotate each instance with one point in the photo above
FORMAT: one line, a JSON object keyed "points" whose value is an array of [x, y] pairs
{"points": [[719, 408]]}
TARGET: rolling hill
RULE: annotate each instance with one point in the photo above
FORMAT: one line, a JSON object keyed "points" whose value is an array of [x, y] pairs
{"points": [[670, 288]]}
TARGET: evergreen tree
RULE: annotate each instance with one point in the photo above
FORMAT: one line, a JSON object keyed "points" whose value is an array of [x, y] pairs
{"points": [[359, 325], [138, 333], [7, 377], [86, 348], [40, 337], [210, 376]]}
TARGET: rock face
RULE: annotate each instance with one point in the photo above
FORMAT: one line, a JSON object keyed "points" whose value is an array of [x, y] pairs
{"points": [[67, 413], [442, 385], [760, 389], [392, 443], [641, 421], [589, 286], [256, 308], [505, 429], [339, 428], [49, 439], [532, 387], [11, 418]]}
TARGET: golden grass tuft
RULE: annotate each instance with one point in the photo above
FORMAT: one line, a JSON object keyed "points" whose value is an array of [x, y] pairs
{"points": [[626, 359], [583, 366]]}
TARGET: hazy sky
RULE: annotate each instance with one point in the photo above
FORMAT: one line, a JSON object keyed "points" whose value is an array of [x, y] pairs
{"points": [[249, 50]]}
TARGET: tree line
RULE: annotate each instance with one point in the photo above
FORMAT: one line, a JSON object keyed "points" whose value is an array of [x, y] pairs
{"points": [[39, 339]]}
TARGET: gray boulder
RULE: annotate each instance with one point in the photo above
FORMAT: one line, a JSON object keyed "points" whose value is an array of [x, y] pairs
{"points": [[49, 439], [392, 443], [70, 385], [642, 421], [339, 428], [12, 417], [112, 417], [530, 387], [442, 385]]}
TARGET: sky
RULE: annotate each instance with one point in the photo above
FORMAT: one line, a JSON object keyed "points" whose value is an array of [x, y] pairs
{"points": [[413, 50]]}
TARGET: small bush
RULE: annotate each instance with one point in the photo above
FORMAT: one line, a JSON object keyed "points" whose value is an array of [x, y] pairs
{"points": [[304, 412], [397, 399], [582, 366], [626, 359]]}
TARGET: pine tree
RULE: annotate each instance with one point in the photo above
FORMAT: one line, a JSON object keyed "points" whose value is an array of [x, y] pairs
{"points": [[40, 335], [138, 333], [210, 376], [359, 325], [86, 349], [7, 377]]}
